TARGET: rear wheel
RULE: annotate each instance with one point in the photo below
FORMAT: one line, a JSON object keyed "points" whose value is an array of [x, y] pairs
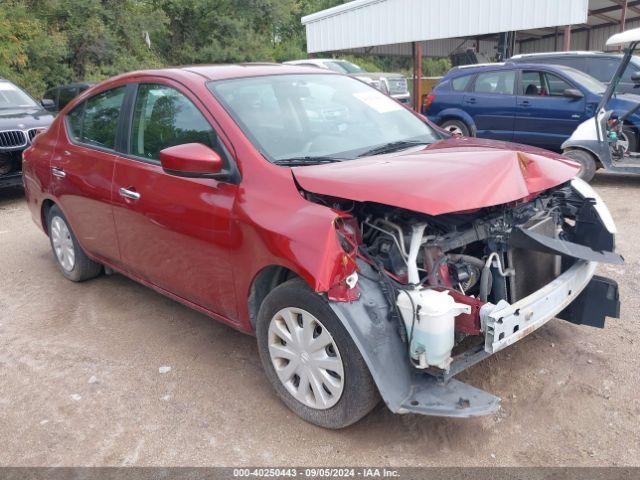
{"points": [[456, 127], [629, 140], [587, 161], [310, 359], [71, 259]]}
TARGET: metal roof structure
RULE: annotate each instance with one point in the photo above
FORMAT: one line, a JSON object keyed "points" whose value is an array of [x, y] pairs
{"points": [[603, 19], [372, 23]]}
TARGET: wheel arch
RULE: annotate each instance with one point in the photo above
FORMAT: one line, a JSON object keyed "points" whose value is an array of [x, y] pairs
{"points": [[585, 148], [46, 206], [263, 283], [460, 115]]}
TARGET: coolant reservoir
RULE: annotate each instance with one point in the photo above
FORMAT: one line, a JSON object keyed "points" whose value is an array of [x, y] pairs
{"points": [[433, 330]]}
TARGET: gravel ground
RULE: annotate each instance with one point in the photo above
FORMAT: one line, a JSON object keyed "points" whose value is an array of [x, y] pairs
{"points": [[111, 373]]}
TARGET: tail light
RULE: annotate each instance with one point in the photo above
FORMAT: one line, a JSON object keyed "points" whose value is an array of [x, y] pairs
{"points": [[428, 100]]}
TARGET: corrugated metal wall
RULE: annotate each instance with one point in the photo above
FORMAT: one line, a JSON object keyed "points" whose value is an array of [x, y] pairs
{"points": [[442, 48], [386, 22], [597, 39]]}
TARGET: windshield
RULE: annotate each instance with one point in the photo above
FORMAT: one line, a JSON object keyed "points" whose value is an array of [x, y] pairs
{"points": [[318, 115], [587, 81], [12, 97]]}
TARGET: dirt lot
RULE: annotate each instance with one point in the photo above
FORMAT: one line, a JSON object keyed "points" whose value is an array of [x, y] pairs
{"points": [[80, 380]]}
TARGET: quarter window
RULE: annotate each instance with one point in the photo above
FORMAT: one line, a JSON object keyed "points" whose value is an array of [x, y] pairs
{"points": [[495, 82], [95, 121], [460, 83], [164, 117]]}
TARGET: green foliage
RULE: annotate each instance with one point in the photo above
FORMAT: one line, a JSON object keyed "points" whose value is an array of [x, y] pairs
{"points": [[44, 43]]}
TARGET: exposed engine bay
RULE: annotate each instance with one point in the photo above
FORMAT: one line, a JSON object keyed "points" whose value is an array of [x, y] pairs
{"points": [[443, 275]]}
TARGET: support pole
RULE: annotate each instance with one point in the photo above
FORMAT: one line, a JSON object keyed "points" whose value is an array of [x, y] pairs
{"points": [[417, 76], [623, 16], [566, 40]]}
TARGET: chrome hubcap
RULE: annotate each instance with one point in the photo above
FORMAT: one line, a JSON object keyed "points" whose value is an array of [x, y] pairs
{"points": [[623, 141], [63, 244], [453, 129], [306, 358]]}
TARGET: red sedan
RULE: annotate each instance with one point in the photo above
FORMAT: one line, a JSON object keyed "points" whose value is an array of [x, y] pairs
{"points": [[371, 254]]}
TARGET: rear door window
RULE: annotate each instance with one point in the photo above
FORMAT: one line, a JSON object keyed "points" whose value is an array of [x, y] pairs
{"points": [[495, 82], [95, 121], [531, 83]]}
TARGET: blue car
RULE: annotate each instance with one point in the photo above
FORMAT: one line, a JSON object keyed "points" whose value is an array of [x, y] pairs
{"points": [[538, 105]]}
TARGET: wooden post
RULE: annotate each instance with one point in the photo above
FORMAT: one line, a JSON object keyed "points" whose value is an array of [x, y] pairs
{"points": [[417, 76], [566, 40], [555, 41], [623, 16]]}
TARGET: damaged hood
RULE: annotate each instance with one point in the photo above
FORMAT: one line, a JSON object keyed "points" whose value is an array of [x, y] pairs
{"points": [[449, 176]]}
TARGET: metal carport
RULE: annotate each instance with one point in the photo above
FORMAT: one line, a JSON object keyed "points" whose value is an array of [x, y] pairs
{"points": [[367, 25]]}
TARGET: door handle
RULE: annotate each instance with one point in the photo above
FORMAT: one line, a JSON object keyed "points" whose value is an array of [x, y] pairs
{"points": [[130, 194], [471, 100], [58, 172], [525, 103]]}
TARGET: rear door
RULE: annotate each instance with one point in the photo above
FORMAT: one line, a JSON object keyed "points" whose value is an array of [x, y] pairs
{"points": [[82, 168], [174, 232], [491, 102], [545, 117]]}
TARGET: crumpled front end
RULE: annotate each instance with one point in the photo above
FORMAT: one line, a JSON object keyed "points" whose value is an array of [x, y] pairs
{"points": [[437, 294]]}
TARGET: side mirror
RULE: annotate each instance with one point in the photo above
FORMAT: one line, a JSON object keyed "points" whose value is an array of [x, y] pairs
{"points": [[573, 93], [635, 78], [48, 104], [191, 160]]}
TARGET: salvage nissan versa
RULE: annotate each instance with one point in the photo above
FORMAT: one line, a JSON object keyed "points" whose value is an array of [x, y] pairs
{"points": [[373, 255]]}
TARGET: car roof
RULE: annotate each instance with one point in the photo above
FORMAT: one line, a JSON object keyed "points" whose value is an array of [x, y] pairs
{"points": [[484, 67], [221, 72], [575, 53], [293, 62]]}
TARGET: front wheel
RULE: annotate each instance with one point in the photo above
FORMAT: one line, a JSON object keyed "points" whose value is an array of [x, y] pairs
{"points": [[310, 359], [587, 163]]}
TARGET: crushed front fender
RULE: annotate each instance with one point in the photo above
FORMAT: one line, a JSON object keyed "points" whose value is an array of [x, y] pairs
{"points": [[403, 389]]}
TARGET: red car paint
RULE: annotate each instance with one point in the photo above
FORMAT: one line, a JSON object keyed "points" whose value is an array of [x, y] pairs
{"points": [[204, 241]]}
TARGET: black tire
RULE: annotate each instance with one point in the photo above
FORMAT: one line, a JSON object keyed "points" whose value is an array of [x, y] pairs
{"points": [[587, 161], [632, 136], [360, 394], [456, 126], [83, 267]]}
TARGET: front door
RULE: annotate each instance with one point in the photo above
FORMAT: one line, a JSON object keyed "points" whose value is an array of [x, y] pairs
{"points": [[545, 117], [491, 103], [82, 168], [174, 232]]}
